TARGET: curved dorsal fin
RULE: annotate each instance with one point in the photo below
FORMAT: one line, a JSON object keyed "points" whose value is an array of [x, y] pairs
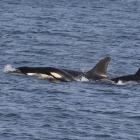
{"points": [[100, 70], [138, 72]]}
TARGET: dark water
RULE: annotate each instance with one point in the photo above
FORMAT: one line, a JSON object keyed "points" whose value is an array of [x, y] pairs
{"points": [[69, 34]]}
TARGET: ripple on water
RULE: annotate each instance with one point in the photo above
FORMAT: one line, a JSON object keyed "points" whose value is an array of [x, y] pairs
{"points": [[69, 34]]}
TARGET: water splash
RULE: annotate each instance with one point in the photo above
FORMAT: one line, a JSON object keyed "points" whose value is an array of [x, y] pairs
{"points": [[83, 79], [9, 68]]}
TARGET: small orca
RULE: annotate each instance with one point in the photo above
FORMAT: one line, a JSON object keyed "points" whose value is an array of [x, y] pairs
{"points": [[65, 75], [49, 73], [128, 78]]}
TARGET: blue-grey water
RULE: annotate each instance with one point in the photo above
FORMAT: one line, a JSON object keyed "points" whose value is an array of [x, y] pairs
{"points": [[71, 34]]}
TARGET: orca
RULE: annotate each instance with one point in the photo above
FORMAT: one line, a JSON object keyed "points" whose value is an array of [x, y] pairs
{"points": [[49, 73], [65, 75], [128, 78]]}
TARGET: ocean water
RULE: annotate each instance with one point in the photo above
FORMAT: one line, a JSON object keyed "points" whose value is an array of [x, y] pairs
{"points": [[72, 34]]}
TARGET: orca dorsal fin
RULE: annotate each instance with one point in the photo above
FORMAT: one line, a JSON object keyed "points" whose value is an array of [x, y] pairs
{"points": [[138, 72], [100, 70]]}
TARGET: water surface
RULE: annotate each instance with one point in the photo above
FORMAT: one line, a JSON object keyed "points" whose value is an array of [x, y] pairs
{"points": [[69, 34]]}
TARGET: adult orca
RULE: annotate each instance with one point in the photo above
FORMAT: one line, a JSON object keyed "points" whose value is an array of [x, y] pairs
{"points": [[128, 78], [65, 75]]}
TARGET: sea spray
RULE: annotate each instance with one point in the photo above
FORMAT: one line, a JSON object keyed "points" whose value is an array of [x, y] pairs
{"points": [[8, 68]]}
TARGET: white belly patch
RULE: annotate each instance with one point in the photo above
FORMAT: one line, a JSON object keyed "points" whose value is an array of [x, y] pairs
{"points": [[45, 76], [32, 74], [40, 75]]}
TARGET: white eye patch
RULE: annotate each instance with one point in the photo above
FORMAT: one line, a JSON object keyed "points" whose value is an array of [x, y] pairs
{"points": [[56, 75]]}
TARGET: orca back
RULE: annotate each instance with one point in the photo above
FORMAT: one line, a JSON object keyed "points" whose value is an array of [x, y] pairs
{"points": [[74, 73], [26, 70], [127, 78], [55, 73]]}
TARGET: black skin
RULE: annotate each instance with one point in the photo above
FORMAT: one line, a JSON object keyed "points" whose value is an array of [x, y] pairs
{"points": [[47, 70], [74, 73], [126, 78]]}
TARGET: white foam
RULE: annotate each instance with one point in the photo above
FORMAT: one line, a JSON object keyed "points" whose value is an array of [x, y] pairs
{"points": [[83, 79], [9, 68]]}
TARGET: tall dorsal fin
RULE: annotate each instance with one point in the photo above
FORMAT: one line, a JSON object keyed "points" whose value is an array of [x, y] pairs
{"points": [[138, 72], [100, 70]]}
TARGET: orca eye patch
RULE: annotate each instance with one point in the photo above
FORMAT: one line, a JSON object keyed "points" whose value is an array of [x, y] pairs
{"points": [[56, 75]]}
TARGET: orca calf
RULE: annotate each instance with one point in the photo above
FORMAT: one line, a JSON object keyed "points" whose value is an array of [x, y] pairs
{"points": [[65, 75], [128, 78], [49, 73]]}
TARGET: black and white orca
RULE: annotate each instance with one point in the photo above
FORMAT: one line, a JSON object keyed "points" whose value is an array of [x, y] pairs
{"points": [[128, 78], [65, 75]]}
